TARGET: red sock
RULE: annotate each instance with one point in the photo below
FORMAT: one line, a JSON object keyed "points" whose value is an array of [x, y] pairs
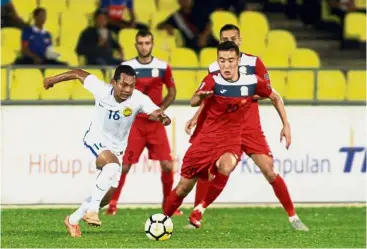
{"points": [[201, 190], [216, 187], [173, 202], [167, 183], [281, 191], [116, 194]]}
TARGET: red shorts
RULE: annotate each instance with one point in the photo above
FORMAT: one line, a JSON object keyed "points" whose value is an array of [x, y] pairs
{"points": [[150, 134], [255, 143], [200, 160]]}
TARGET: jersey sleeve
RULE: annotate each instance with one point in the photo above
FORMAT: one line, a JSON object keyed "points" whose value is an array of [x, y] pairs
{"points": [[146, 104], [263, 87], [261, 70], [207, 84], [168, 78], [96, 86]]}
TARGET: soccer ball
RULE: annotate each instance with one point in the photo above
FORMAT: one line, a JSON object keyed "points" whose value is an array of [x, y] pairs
{"points": [[158, 227]]}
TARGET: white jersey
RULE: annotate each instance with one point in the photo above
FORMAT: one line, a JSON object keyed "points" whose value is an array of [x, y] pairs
{"points": [[111, 124]]}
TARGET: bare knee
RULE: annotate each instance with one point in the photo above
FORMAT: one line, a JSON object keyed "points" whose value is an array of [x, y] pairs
{"points": [[226, 163], [166, 165], [106, 157]]}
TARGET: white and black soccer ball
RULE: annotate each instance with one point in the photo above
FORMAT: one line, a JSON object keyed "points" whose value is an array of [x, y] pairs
{"points": [[159, 227]]}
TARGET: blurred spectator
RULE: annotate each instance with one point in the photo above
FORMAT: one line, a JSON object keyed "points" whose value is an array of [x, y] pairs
{"points": [[194, 25], [237, 6], [97, 44], [9, 16], [341, 8], [115, 9], [37, 43]]}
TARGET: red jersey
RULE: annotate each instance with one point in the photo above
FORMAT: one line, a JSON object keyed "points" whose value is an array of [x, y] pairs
{"points": [[223, 115], [150, 78], [250, 64]]}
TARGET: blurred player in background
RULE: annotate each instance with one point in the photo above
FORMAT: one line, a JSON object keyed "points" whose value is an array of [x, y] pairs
{"points": [[254, 143], [216, 143], [116, 106], [152, 74]]}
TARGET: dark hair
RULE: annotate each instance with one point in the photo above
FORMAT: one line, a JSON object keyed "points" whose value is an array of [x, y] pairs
{"points": [[229, 27], [38, 10], [99, 12], [126, 69], [144, 33], [228, 46]]}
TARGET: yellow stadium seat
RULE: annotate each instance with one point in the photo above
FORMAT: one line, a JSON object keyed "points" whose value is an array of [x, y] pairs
{"points": [[200, 75], [7, 56], [60, 91], [68, 55], [127, 37], [277, 80], [3, 83], [207, 56], [168, 5], [254, 46], [83, 6], [331, 85], [27, 84], [219, 19], [25, 8], [300, 85], [183, 57], [356, 85], [129, 52], [159, 17], [163, 40], [281, 40], [360, 4], [275, 59], [355, 26], [78, 92], [53, 6], [10, 39], [186, 84], [52, 25], [304, 58], [253, 25], [73, 23], [160, 54], [144, 10]]}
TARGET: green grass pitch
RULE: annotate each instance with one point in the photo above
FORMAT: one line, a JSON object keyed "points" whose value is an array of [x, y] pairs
{"points": [[330, 227]]}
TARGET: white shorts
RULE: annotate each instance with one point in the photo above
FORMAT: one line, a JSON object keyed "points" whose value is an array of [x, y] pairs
{"points": [[97, 146]]}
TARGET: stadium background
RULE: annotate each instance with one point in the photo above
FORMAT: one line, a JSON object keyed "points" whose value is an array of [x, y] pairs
{"points": [[324, 88]]}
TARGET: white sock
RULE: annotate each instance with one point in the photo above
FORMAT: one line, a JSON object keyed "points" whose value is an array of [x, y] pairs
{"points": [[109, 177], [75, 217], [293, 218], [200, 208]]}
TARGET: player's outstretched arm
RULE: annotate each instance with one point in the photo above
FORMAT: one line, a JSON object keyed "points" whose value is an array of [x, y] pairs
{"points": [[160, 116], [199, 96], [193, 121], [278, 103], [75, 74]]}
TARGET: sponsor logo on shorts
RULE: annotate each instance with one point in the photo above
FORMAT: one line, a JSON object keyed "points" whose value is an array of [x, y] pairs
{"points": [[127, 111]]}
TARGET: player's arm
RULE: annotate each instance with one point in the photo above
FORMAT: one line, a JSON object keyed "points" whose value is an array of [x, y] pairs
{"points": [[75, 74], [193, 121], [153, 111], [171, 89], [205, 90]]}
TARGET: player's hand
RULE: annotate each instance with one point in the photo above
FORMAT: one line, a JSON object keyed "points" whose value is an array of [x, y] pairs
{"points": [[164, 119], [286, 133], [189, 125], [48, 83], [204, 94]]}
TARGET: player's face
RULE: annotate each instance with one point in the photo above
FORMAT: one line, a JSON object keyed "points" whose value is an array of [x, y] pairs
{"points": [[185, 3], [40, 19], [124, 87], [101, 21], [144, 45], [228, 63], [231, 35]]}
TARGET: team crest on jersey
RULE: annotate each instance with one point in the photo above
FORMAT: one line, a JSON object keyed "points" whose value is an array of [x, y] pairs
{"points": [[127, 111], [243, 70], [155, 72]]}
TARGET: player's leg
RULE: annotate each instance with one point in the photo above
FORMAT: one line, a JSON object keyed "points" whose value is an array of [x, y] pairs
{"points": [[265, 163], [135, 147], [225, 165], [177, 195], [159, 149], [202, 186]]}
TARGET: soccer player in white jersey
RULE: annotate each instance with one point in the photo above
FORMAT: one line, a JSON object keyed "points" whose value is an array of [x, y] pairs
{"points": [[116, 106]]}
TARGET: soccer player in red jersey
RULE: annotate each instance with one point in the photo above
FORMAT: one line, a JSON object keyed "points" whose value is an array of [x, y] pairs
{"points": [[216, 143], [254, 143], [151, 74]]}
